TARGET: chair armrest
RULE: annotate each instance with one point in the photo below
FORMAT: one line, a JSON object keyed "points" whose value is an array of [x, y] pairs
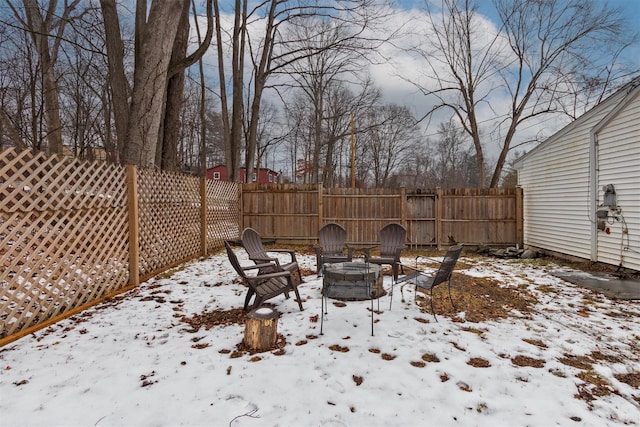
{"points": [[266, 260], [413, 273], [292, 253], [261, 265], [281, 273], [366, 251], [439, 261], [349, 250]]}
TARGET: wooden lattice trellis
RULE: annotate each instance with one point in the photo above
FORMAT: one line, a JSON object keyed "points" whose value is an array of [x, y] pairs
{"points": [[63, 227], [65, 233], [223, 213], [169, 219]]}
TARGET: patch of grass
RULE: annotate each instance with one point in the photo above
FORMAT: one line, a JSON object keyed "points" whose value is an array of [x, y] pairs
{"points": [[632, 379], [479, 332], [478, 362], [580, 362], [430, 357], [537, 343], [599, 386], [481, 299], [521, 360]]}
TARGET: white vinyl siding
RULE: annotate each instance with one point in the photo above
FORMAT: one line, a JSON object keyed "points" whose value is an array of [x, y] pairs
{"points": [[555, 185], [619, 164], [555, 176]]}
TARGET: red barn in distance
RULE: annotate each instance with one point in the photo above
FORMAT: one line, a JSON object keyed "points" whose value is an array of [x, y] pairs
{"points": [[261, 176]]}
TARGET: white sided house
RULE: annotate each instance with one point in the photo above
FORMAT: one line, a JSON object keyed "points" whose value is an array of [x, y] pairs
{"points": [[581, 187]]}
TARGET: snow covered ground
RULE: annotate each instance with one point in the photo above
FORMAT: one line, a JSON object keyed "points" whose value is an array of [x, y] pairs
{"points": [[134, 361]]}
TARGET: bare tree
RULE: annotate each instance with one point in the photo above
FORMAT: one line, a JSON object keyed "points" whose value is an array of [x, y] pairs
{"points": [[152, 114], [271, 50], [530, 60], [46, 25], [391, 136]]}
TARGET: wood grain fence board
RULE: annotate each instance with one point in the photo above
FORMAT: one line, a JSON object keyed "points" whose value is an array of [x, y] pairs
{"points": [[474, 216]]}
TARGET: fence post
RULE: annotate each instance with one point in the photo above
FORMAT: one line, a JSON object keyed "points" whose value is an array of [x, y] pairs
{"points": [[240, 209], [204, 230], [403, 211], [519, 217], [320, 206], [132, 208], [438, 225]]}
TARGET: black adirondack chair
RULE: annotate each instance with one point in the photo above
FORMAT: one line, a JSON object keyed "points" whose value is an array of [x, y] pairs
{"points": [[252, 243], [331, 247], [264, 286], [392, 239]]}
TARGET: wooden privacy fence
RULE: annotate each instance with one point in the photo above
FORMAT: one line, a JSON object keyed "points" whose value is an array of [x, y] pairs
{"points": [[294, 213], [73, 233]]}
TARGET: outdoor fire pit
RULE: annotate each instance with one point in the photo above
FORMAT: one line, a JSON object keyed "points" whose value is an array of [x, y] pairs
{"points": [[351, 281]]}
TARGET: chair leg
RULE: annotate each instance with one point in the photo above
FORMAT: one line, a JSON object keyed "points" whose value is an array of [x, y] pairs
{"points": [[372, 312], [451, 299], [322, 313], [432, 309], [250, 292], [295, 290]]}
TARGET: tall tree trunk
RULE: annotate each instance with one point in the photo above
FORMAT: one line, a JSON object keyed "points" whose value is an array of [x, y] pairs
{"points": [[117, 78], [167, 152], [150, 82], [39, 29]]}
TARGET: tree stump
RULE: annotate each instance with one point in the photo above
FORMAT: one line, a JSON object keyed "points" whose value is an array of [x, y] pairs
{"points": [[261, 329]]}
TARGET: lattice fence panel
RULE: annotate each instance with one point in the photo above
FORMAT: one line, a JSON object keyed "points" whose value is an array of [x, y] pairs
{"points": [[169, 219], [63, 232], [223, 213]]}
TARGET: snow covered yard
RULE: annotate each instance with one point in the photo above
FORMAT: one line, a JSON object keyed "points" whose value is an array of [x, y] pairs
{"points": [[533, 351]]}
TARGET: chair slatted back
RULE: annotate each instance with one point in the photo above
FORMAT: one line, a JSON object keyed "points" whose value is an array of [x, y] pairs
{"points": [[392, 239], [332, 238], [252, 243], [447, 265], [233, 258]]}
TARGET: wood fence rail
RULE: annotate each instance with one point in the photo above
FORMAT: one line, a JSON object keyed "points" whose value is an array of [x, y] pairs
{"points": [[74, 233]]}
